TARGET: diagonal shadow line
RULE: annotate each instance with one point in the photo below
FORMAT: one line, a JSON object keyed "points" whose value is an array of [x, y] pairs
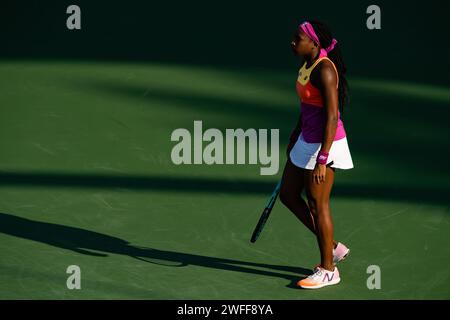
{"points": [[100, 245], [284, 110], [135, 182], [432, 195], [260, 110], [252, 113]]}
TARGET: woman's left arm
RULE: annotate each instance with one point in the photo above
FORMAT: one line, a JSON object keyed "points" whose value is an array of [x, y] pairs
{"points": [[327, 84]]}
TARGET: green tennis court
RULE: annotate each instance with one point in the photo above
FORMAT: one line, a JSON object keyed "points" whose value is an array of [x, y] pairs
{"points": [[86, 179]]}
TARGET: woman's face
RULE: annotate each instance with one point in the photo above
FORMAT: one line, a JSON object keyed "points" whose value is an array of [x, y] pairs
{"points": [[301, 44]]}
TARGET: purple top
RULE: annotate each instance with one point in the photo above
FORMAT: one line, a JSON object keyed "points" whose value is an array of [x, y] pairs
{"points": [[314, 119]]}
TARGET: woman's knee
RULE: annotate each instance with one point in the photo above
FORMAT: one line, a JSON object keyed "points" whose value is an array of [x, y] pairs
{"points": [[317, 205]]}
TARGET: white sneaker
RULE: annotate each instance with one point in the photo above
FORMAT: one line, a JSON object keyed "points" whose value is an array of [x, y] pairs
{"points": [[320, 278], [340, 253]]}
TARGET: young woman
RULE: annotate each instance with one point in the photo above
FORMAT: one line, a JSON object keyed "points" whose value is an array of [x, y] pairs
{"points": [[318, 145]]}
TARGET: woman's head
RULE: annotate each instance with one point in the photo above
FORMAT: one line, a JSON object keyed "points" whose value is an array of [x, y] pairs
{"points": [[303, 45]]}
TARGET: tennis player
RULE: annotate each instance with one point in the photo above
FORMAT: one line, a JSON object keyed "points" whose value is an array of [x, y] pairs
{"points": [[318, 145]]}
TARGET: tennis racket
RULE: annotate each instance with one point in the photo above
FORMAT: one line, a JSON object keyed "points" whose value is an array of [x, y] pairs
{"points": [[266, 213]]}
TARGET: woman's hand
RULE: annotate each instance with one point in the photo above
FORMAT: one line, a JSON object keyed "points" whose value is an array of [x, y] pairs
{"points": [[319, 172]]}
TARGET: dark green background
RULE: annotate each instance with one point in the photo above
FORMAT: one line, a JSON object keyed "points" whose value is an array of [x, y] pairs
{"points": [[413, 38], [86, 176]]}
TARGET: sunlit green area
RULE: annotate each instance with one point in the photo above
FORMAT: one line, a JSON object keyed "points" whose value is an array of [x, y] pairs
{"points": [[86, 179]]}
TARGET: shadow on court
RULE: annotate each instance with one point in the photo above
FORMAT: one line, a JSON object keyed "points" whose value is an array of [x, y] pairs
{"points": [[401, 192], [100, 245], [398, 126]]}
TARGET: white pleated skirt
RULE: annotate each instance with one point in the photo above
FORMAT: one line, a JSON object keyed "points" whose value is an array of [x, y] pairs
{"points": [[304, 154]]}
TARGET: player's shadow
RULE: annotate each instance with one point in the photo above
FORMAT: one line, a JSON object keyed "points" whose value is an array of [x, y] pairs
{"points": [[100, 245]]}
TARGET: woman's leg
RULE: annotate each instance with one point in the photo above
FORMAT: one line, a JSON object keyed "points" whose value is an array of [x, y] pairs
{"points": [[319, 203], [290, 195]]}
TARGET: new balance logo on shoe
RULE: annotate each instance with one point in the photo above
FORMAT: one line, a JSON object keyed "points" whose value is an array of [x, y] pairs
{"points": [[327, 275]]}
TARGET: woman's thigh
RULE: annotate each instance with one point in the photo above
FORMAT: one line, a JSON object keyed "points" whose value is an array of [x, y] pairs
{"points": [[318, 194], [293, 181]]}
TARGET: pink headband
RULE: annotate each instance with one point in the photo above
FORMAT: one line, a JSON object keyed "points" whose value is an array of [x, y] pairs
{"points": [[309, 31]]}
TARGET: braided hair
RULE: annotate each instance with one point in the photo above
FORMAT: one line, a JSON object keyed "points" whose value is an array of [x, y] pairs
{"points": [[325, 37]]}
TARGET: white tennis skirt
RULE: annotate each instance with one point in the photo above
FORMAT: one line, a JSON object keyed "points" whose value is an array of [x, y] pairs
{"points": [[304, 154]]}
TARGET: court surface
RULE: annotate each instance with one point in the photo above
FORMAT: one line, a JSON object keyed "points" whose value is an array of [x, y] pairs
{"points": [[86, 179]]}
